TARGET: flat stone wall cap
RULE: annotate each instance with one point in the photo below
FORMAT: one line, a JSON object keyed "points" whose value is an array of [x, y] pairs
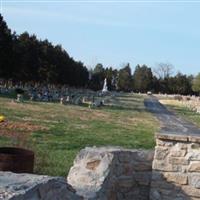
{"points": [[172, 136], [194, 138], [177, 137]]}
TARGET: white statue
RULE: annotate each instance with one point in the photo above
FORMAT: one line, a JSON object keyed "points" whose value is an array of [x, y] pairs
{"points": [[105, 88]]}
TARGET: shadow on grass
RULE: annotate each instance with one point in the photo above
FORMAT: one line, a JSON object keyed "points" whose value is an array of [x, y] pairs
{"points": [[9, 96], [182, 110], [128, 100], [130, 96], [123, 108]]}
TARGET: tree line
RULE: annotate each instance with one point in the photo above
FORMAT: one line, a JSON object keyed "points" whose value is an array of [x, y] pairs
{"points": [[143, 79], [26, 58]]}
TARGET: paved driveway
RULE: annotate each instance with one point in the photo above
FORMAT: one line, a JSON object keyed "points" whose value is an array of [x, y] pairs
{"points": [[170, 122]]}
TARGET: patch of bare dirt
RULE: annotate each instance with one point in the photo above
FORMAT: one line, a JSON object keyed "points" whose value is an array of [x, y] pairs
{"points": [[13, 134], [21, 126], [19, 106], [18, 131], [88, 114]]}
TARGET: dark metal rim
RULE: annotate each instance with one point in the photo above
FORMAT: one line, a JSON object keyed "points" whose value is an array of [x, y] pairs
{"points": [[15, 151]]}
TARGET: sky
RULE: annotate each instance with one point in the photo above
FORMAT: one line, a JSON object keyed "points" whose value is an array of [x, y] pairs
{"points": [[114, 32]]}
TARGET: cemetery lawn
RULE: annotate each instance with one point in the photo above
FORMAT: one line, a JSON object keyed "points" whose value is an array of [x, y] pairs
{"points": [[56, 133], [182, 111]]}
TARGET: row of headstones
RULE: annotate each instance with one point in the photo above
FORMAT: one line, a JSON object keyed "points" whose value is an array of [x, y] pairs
{"points": [[42, 92], [180, 97], [192, 102], [32, 85], [45, 93], [91, 101], [4, 90], [55, 93]]}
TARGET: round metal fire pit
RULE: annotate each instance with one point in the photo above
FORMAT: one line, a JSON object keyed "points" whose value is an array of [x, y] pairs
{"points": [[16, 160]]}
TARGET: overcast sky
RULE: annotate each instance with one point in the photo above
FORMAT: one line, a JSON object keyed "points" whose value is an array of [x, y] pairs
{"points": [[114, 32]]}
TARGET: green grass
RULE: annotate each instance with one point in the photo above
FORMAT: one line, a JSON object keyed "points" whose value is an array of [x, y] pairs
{"points": [[57, 132]]}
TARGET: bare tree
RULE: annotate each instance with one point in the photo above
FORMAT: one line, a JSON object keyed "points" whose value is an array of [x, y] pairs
{"points": [[163, 70]]}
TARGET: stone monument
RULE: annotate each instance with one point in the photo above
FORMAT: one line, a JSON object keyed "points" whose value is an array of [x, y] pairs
{"points": [[105, 87]]}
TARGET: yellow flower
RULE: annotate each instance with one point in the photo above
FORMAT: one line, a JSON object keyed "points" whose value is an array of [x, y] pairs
{"points": [[2, 118]]}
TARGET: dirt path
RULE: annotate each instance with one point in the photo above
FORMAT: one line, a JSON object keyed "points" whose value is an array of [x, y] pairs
{"points": [[170, 122]]}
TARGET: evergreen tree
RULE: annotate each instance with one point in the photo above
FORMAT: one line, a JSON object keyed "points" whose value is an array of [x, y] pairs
{"points": [[97, 79], [196, 84], [125, 79], [6, 50], [25, 58], [143, 78]]}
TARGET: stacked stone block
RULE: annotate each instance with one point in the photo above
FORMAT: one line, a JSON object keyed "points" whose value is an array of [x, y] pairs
{"points": [[112, 173], [176, 168], [34, 187]]}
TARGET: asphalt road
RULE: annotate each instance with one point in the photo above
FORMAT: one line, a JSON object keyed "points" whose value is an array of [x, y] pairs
{"points": [[170, 122]]}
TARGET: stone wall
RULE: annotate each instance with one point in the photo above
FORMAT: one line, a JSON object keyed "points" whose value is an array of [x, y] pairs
{"points": [[176, 168], [34, 187], [109, 173]]}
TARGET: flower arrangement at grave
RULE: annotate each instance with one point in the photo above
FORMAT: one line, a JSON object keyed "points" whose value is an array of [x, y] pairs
{"points": [[2, 118]]}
